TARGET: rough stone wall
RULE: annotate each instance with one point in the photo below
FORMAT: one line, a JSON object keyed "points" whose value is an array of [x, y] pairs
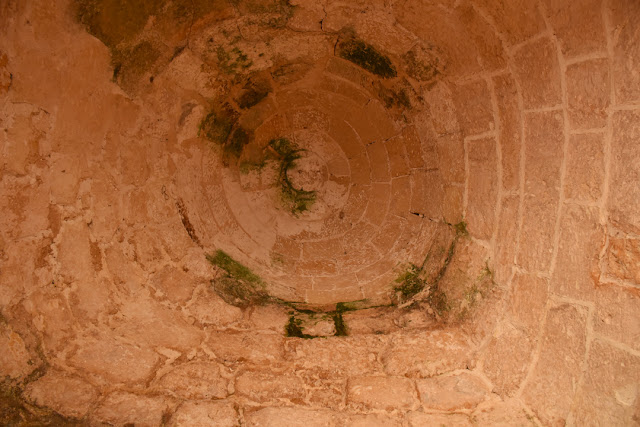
{"points": [[526, 127]]}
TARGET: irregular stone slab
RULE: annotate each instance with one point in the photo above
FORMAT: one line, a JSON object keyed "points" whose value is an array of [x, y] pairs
{"points": [[338, 355], [449, 393], [537, 69], [195, 380], [550, 391], [127, 408], [114, 360], [616, 314], [66, 394], [265, 387], [222, 414], [372, 420], [255, 348], [420, 419], [610, 393], [623, 258], [428, 353], [291, 417], [502, 414], [14, 357], [386, 393]]}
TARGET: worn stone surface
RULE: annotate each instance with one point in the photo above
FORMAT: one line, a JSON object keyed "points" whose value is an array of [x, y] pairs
{"points": [[585, 167], [588, 93], [609, 393], [552, 386], [417, 419], [454, 392], [428, 354], [623, 257], [221, 413], [123, 408], [291, 417], [386, 393], [483, 188], [538, 73], [194, 380], [66, 394], [611, 319]]}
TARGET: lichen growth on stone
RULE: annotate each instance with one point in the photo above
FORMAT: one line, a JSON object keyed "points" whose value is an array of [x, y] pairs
{"points": [[238, 285], [297, 200]]}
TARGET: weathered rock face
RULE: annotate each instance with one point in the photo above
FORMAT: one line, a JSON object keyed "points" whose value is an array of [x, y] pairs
{"points": [[272, 212]]}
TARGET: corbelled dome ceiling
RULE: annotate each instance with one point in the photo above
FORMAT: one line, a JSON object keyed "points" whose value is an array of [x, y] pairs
{"points": [[272, 212]]}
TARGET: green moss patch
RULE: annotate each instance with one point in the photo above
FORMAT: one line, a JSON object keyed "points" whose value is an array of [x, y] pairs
{"points": [[297, 200], [409, 282], [366, 56], [294, 329], [232, 61], [239, 286], [216, 127], [254, 91]]}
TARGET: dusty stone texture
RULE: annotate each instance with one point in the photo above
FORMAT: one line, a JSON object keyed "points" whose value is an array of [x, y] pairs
{"points": [[527, 301], [506, 238], [386, 393], [502, 414], [588, 93], [585, 168], [194, 380], [624, 195], [417, 419], [203, 413], [543, 157], [120, 408], [551, 388], [611, 319], [577, 25], [483, 187], [507, 358], [473, 103], [231, 348], [14, 359], [510, 138], [292, 417], [427, 354], [450, 393], [358, 355], [623, 257], [538, 74], [609, 392], [66, 394], [271, 389], [626, 52], [581, 240], [516, 20], [114, 360]]}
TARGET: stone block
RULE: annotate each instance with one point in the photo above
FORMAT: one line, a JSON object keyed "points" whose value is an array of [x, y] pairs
{"points": [[624, 191], [483, 188], [174, 284], [623, 258], [452, 203], [588, 93], [623, 18], [443, 110], [507, 358], [452, 392], [509, 134], [616, 314], [74, 252], [450, 150], [527, 302], [204, 413], [537, 70], [379, 160], [232, 348], [194, 380], [339, 356], [293, 417], [208, 308], [577, 25], [420, 419], [121, 408], [427, 354], [503, 414], [114, 360], [14, 357], [68, 395], [372, 420], [609, 394], [517, 20], [506, 238], [577, 267], [473, 106], [271, 388], [584, 179], [543, 157], [386, 393], [551, 388]]}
